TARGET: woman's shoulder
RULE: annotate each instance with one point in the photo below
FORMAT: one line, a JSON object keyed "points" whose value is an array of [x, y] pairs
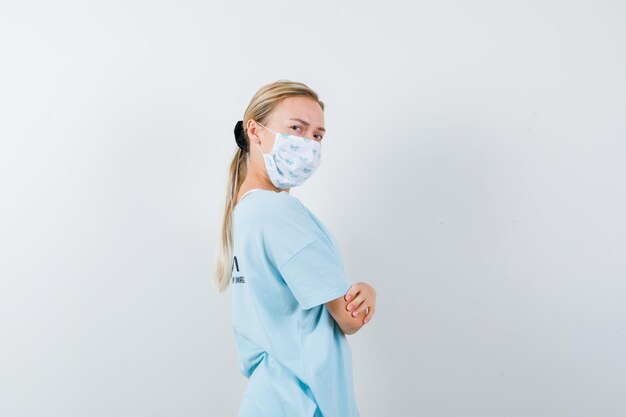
{"points": [[278, 212], [282, 222], [268, 204]]}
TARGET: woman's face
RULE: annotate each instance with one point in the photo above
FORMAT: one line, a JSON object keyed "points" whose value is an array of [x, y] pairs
{"points": [[300, 116]]}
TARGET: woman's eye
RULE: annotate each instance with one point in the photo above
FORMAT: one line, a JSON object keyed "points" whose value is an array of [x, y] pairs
{"points": [[296, 127], [320, 137]]}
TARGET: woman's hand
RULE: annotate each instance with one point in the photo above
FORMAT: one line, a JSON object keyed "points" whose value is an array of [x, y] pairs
{"points": [[361, 297]]}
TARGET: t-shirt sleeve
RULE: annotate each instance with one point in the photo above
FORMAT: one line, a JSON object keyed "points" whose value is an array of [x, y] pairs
{"points": [[303, 254], [314, 275]]}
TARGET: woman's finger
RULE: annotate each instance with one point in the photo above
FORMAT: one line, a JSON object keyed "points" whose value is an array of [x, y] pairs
{"points": [[360, 311], [355, 304], [369, 315], [352, 292]]}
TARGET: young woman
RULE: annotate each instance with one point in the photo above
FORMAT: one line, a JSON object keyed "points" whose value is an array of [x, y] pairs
{"points": [[292, 303]]}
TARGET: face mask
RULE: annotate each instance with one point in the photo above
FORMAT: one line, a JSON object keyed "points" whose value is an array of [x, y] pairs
{"points": [[292, 159]]}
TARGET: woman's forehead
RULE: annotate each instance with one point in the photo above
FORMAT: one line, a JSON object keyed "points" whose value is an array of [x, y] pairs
{"points": [[303, 109]]}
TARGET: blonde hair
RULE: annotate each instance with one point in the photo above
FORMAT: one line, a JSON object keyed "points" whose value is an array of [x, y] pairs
{"points": [[261, 105]]}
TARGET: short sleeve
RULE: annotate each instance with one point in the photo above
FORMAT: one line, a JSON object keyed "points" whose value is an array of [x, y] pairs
{"points": [[315, 275], [300, 249]]}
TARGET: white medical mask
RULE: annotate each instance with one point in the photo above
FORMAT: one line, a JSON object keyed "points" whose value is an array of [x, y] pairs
{"points": [[292, 160]]}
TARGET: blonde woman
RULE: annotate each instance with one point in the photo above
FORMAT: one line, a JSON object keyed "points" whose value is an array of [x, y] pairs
{"points": [[292, 303]]}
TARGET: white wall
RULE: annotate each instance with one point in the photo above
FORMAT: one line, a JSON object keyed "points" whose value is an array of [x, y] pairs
{"points": [[484, 199]]}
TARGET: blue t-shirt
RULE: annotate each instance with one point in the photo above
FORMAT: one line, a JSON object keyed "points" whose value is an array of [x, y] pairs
{"points": [[286, 265]]}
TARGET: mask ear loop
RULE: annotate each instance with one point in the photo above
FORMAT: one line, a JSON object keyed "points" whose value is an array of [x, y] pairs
{"points": [[275, 140], [267, 128]]}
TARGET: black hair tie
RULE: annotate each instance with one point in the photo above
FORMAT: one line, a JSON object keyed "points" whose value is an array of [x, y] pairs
{"points": [[239, 135]]}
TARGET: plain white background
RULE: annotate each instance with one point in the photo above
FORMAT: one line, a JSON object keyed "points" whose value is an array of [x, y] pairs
{"points": [[473, 172]]}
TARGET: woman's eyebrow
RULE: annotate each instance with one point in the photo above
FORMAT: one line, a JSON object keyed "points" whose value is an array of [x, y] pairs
{"points": [[306, 123]]}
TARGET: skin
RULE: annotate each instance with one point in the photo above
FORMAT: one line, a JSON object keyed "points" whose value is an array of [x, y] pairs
{"points": [[355, 308], [358, 305]]}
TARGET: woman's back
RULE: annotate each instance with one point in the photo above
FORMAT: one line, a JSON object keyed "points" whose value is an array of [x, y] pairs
{"points": [[286, 265]]}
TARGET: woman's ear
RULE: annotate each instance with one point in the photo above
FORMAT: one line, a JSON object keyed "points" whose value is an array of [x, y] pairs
{"points": [[253, 131]]}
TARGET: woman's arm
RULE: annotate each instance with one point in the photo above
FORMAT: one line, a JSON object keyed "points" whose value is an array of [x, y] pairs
{"points": [[359, 297], [347, 323]]}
